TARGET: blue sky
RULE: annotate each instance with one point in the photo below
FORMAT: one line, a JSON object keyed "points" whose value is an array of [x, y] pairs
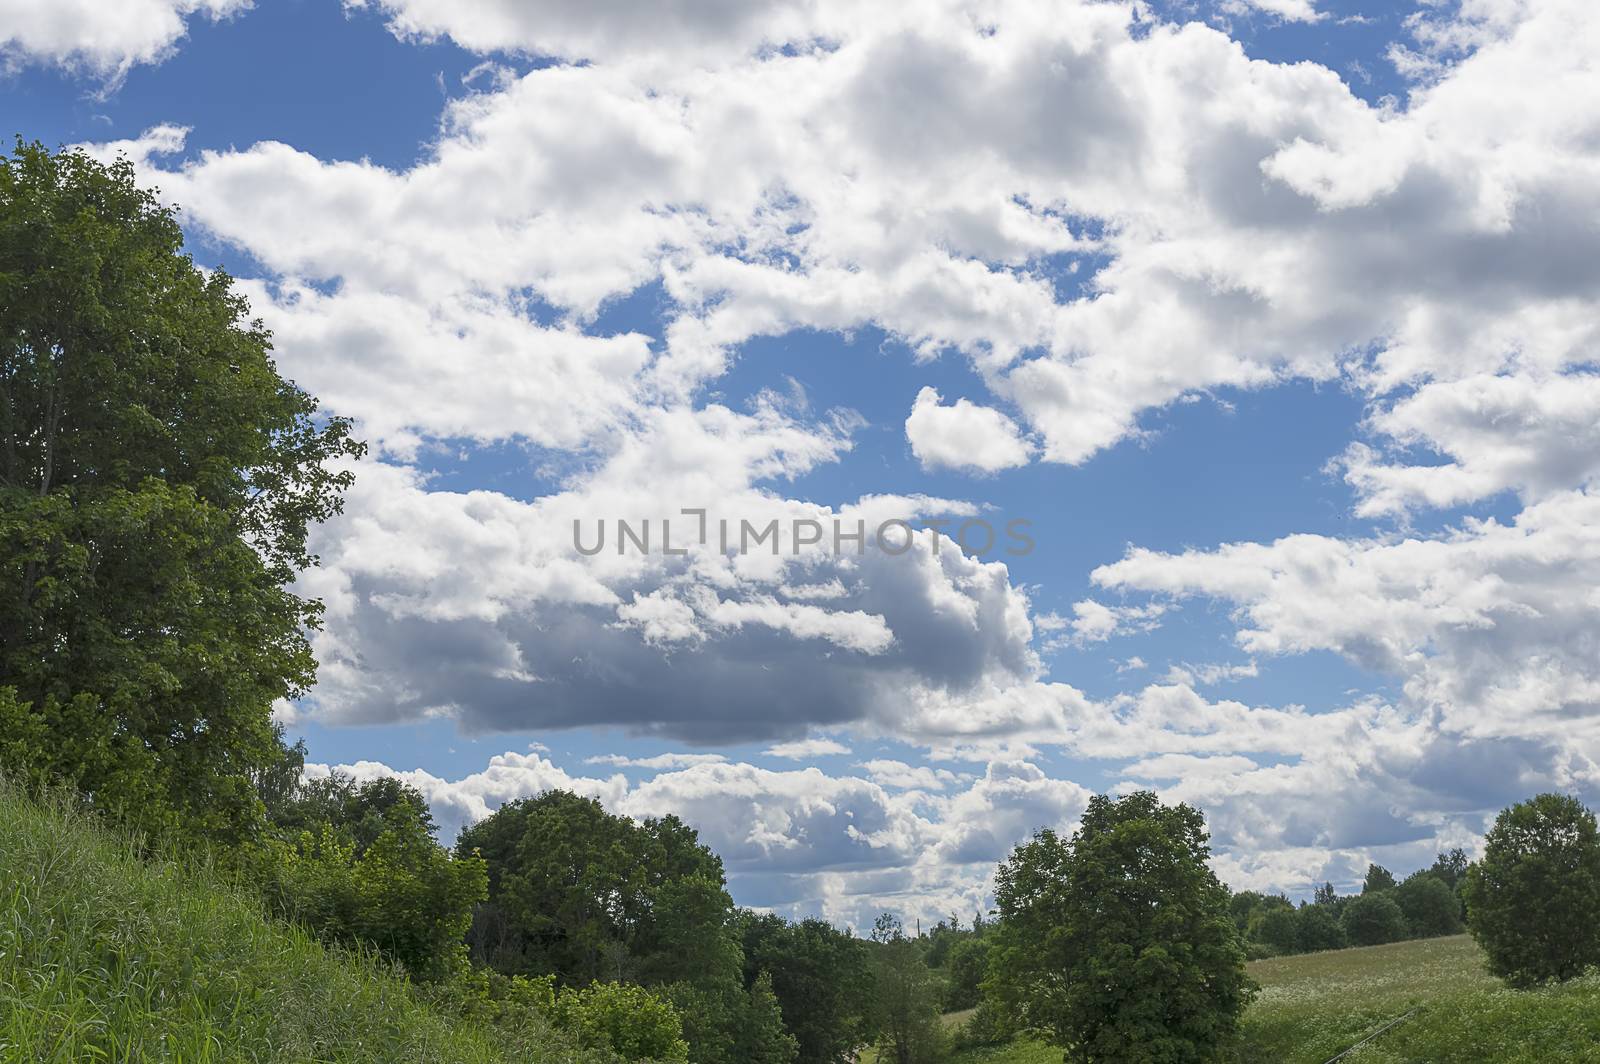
{"points": [[1239, 305]]}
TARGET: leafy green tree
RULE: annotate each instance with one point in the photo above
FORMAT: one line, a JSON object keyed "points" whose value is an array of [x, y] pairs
{"points": [[1325, 895], [967, 966], [1373, 919], [1431, 907], [762, 1037], [820, 977], [1319, 929], [1532, 900], [1451, 868], [1378, 878], [157, 480], [582, 895], [1119, 942], [905, 997], [1242, 907], [1278, 928], [573, 891], [360, 864]]}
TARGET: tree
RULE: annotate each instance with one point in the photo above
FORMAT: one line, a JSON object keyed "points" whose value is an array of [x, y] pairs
{"points": [[1119, 941], [905, 997], [582, 895], [1533, 898], [1430, 906], [1325, 895], [1373, 919], [1378, 878], [1277, 927], [1318, 928], [573, 892], [157, 481], [820, 978], [762, 1038], [358, 863], [1451, 868], [967, 966]]}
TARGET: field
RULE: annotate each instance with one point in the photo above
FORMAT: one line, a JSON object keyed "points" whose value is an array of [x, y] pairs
{"points": [[1314, 1006], [105, 957]]}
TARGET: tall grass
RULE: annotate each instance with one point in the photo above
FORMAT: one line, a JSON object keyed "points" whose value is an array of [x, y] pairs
{"points": [[105, 956]]}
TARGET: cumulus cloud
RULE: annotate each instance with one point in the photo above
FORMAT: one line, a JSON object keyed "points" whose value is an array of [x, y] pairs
{"points": [[963, 435], [104, 39], [1138, 214]]}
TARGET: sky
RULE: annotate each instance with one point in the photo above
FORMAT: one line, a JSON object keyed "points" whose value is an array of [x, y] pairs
{"points": [[1270, 324]]}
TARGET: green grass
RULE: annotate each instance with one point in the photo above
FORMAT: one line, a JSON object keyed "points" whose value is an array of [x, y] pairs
{"points": [[107, 957], [1315, 1005]]}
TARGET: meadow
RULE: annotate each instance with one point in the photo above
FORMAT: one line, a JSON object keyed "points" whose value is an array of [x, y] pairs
{"points": [[1316, 1005]]}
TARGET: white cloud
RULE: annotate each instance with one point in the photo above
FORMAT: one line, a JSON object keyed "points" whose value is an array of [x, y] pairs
{"points": [[1287, 10], [658, 761], [963, 435], [1137, 215], [106, 39], [806, 749]]}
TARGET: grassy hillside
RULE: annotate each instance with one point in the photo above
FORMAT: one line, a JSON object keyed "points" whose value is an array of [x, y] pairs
{"points": [[1313, 1006], [104, 957]]}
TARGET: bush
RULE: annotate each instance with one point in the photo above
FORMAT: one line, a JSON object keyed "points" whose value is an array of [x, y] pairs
{"points": [[1533, 900], [623, 1017], [361, 866], [1373, 919]]}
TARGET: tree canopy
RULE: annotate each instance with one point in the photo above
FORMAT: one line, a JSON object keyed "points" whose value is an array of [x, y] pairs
{"points": [[157, 480], [1532, 900], [1119, 941]]}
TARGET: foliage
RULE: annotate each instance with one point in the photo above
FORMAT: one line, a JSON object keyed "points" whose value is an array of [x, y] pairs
{"points": [[905, 998], [585, 896], [107, 955], [1373, 919], [627, 1018], [820, 978], [762, 1037], [1317, 928], [1430, 906], [157, 480], [1119, 942], [1378, 879], [359, 863], [967, 965], [1533, 898], [1277, 927]]}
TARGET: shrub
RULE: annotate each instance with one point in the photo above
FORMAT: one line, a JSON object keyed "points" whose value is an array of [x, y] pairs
{"points": [[623, 1017]]}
